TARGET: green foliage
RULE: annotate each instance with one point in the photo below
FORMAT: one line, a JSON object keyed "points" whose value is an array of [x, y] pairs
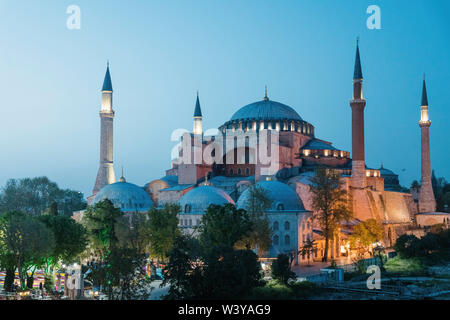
{"points": [[272, 291], [162, 230], [70, 239], [365, 234], [100, 222], [36, 195], [404, 266], [211, 268], [119, 243], [330, 203], [224, 226], [25, 242], [281, 269], [256, 206], [431, 248]]}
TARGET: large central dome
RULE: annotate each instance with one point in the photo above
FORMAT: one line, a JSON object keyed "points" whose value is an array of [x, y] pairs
{"points": [[266, 110]]}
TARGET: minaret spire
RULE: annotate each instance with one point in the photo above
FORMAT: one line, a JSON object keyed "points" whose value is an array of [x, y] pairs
{"points": [[106, 173], [198, 117], [265, 96], [358, 104], [427, 201]]}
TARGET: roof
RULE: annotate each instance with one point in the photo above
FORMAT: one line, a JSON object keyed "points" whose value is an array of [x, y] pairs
{"points": [[279, 193], [316, 144], [178, 187], [107, 84], [358, 72], [266, 110], [424, 94], [386, 172], [198, 110], [126, 196], [199, 199]]}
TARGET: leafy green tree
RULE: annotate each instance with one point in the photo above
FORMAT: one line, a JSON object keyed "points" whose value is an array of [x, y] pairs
{"points": [[118, 241], [224, 226], [26, 242], [260, 237], [36, 195], [365, 234], [281, 269], [407, 246], [330, 203], [162, 229], [211, 267], [70, 240]]}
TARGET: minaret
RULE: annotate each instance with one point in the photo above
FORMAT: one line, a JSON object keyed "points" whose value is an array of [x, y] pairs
{"points": [[358, 104], [427, 202], [198, 117], [106, 174]]}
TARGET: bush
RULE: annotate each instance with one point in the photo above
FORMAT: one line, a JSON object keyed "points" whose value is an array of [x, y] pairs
{"points": [[281, 269], [305, 289], [405, 266], [272, 291]]}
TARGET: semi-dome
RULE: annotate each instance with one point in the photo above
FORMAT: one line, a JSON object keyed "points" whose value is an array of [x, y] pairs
{"points": [[126, 196], [281, 195], [198, 200], [266, 110]]}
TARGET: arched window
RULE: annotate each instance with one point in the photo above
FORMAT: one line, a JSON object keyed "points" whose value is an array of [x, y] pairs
{"points": [[187, 208], [231, 172], [280, 207], [275, 226], [287, 240], [287, 225], [276, 240], [247, 171], [239, 172]]}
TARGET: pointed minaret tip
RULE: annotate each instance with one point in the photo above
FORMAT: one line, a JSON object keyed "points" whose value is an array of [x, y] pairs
{"points": [[198, 109], [358, 71], [107, 84], [424, 93], [265, 95]]}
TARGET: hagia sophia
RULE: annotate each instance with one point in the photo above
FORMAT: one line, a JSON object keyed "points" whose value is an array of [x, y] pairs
{"points": [[375, 192]]}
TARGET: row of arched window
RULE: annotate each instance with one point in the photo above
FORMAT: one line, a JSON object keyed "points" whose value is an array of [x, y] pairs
{"points": [[297, 126], [276, 240], [276, 226]]}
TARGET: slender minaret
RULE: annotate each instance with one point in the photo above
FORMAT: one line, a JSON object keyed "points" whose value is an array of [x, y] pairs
{"points": [[358, 104], [427, 202], [106, 174], [198, 129]]}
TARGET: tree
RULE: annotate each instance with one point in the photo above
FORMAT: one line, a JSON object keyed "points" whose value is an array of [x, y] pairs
{"points": [[36, 195], [211, 267], [330, 203], [365, 234], [118, 241], [281, 269], [224, 226], [162, 229], [257, 204], [184, 256], [25, 242], [407, 246], [308, 249], [70, 240]]}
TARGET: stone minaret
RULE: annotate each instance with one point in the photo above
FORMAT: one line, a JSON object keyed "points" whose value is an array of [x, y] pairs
{"points": [[427, 202], [106, 174], [198, 129], [358, 104]]}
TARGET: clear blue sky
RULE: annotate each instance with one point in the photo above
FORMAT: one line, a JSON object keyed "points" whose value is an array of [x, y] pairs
{"points": [[162, 52]]}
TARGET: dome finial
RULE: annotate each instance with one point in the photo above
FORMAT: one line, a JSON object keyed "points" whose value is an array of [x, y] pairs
{"points": [[265, 96], [122, 178]]}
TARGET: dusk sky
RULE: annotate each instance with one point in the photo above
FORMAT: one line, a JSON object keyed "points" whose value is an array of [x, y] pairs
{"points": [[162, 52]]}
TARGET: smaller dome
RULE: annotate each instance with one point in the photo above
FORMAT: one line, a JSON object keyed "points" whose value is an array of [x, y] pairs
{"points": [[282, 196], [126, 196], [198, 200], [386, 172]]}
